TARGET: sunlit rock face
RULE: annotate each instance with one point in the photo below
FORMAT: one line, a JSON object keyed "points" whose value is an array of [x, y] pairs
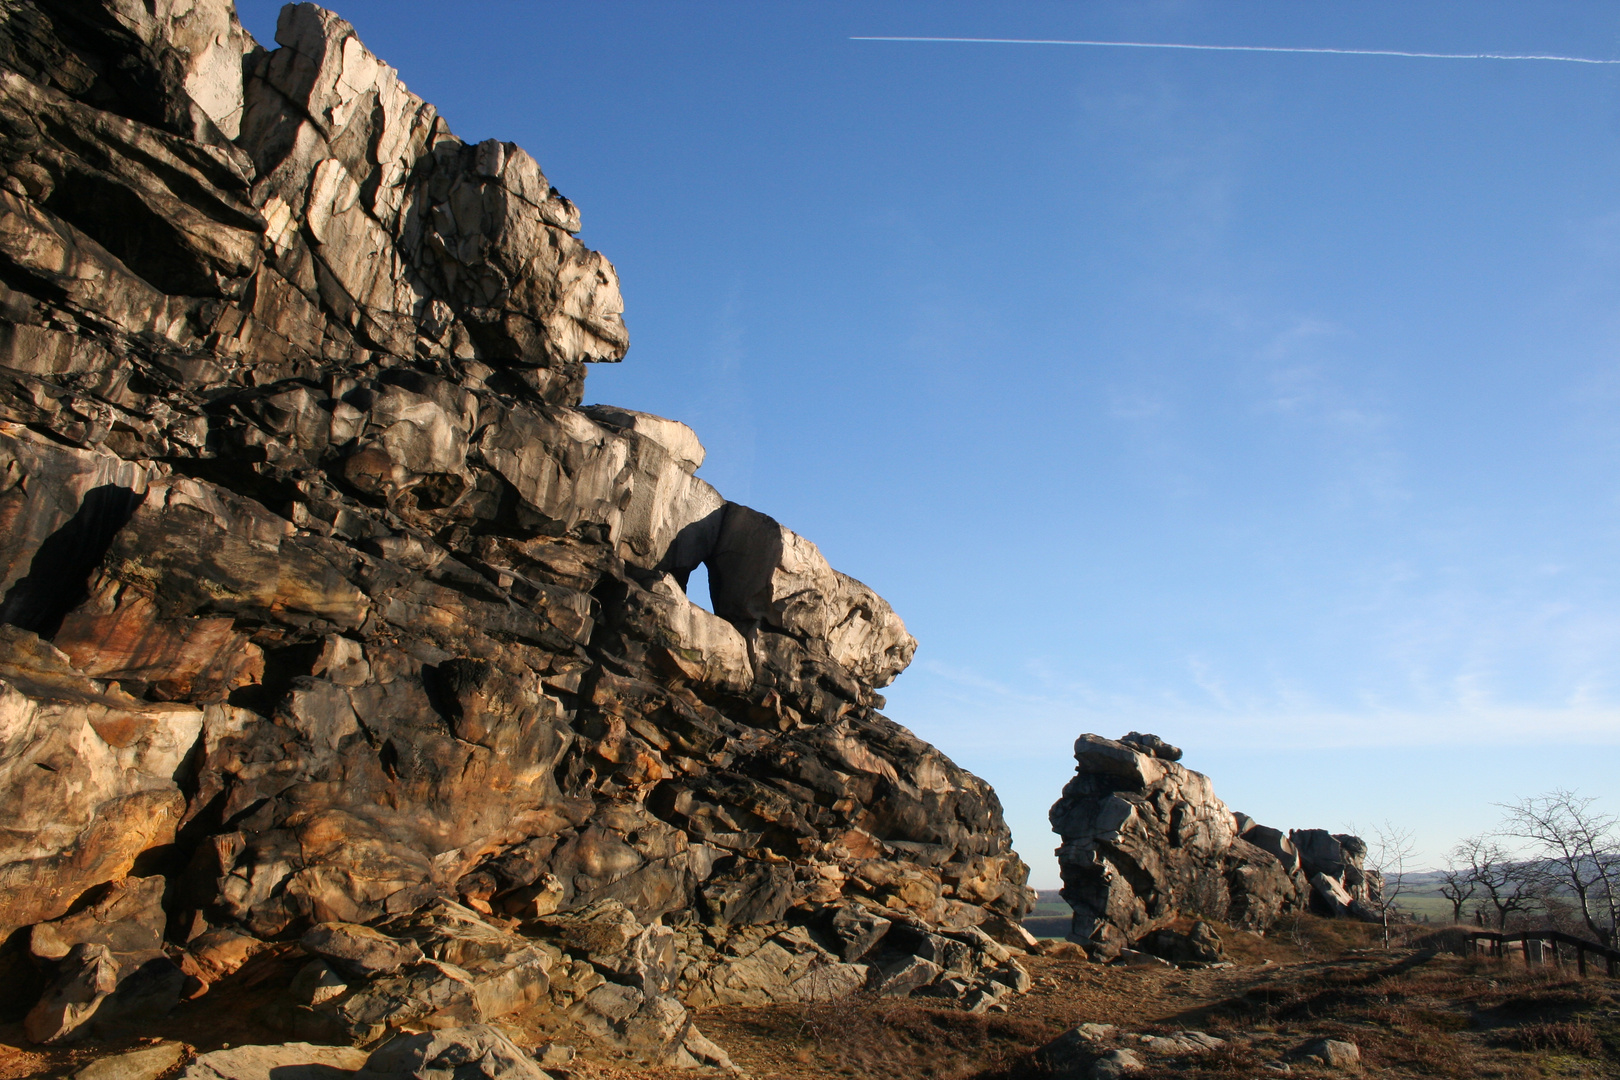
{"points": [[325, 599], [1145, 840]]}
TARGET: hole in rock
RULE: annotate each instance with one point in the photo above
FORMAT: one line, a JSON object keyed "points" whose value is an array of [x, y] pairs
{"points": [[697, 588], [58, 578]]}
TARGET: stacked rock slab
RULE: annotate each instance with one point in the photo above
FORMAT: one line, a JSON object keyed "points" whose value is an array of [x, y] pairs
{"points": [[325, 601], [1145, 841]]}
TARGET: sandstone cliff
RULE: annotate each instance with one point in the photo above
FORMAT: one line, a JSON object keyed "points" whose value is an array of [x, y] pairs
{"points": [[326, 602]]}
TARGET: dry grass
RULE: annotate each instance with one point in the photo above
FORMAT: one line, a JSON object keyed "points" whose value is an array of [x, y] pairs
{"points": [[1576, 1037], [869, 1039], [1414, 1014]]}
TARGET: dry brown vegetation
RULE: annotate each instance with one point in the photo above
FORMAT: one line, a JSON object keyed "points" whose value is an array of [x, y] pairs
{"points": [[1414, 1012]]}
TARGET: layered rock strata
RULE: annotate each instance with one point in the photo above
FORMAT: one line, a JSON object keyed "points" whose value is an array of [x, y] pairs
{"points": [[1146, 841], [327, 604]]}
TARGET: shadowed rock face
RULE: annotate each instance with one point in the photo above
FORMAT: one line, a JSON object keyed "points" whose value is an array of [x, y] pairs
{"points": [[1145, 839], [327, 599]]}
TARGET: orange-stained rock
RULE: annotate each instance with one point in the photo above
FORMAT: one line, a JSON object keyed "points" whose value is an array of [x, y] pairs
{"points": [[354, 609], [121, 636], [81, 805]]}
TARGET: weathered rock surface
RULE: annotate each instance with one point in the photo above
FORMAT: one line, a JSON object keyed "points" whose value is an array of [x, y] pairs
{"points": [[1331, 1053], [328, 614], [1145, 841], [1102, 1052], [285, 1061], [479, 1050], [456, 1053], [145, 1063]]}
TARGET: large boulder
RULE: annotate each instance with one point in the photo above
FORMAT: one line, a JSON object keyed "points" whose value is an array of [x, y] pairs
{"points": [[284, 1061], [1145, 841]]}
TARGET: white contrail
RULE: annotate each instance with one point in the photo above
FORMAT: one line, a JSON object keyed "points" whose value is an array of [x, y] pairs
{"points": [[1245, 48]]}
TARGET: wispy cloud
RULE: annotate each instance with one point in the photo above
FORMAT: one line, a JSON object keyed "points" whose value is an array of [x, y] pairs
{"points": [[1247, 48], [973, 711]]}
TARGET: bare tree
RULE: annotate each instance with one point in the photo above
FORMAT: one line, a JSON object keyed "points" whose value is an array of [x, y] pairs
{"points": [[1581, 848], [1510, 885], [1457, 885], [1391, 851]]}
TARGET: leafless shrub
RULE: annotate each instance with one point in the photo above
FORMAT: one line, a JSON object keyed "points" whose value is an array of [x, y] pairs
{"points": [[1509, 886], [1579, 847]]}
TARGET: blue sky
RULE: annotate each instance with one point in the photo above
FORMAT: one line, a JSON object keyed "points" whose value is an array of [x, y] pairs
{"points": [[1265, 401]]}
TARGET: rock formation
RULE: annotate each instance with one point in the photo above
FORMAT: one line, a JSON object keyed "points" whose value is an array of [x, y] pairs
{"points": [[1145, 840], [331, 616]]}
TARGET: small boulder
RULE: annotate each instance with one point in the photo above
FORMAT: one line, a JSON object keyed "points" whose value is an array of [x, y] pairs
{"points": [[554, 1055], [438, 994], [985, 996], [281, 1061], [748, 893], [537, 900], [1184, 1042], [1071, 1053], [129, 920], [853, 930], [1115, 1064], [1333, 1053], [948, 953], [704, 1051], [359, 951], [1013, 975], [612, 1003], [903, 976], [222, 951], [146, 992], [477, 1050], [604, 928], [146, 1063], [316, 984], [1199, 945], [88, 974]]}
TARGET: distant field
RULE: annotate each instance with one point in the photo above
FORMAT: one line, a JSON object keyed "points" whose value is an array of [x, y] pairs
{"points": [[1048, 902], [1436, 909], [1049, 926], [1421, 901], [1051, 917], [1421, 898]]}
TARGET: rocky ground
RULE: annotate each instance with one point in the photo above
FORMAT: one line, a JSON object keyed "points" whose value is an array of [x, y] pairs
{"points": [[1409, 1012]]}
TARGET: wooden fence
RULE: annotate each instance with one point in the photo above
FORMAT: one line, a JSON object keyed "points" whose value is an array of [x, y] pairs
{"points": [[1495, 944]]}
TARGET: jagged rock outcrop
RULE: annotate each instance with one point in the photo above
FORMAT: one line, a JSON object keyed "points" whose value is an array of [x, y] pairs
{"points": [[1146, 841], [326, 604]]}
